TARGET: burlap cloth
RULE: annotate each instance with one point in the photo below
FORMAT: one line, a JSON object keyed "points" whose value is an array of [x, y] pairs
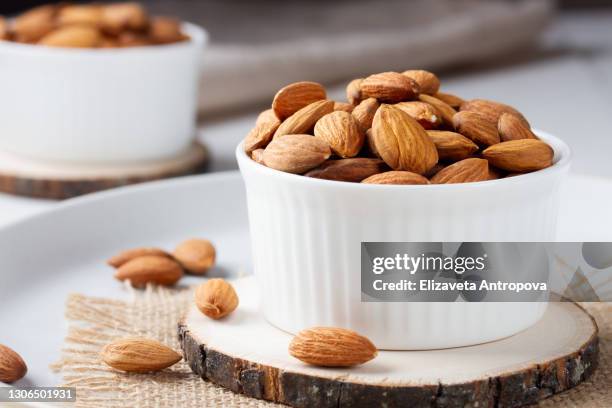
{"points": [[154, 313]]}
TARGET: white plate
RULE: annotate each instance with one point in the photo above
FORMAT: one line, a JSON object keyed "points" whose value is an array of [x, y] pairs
{"points": [[47, 256]]}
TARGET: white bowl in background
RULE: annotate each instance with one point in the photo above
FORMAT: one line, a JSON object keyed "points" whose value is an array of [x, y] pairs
{"points": [[306, 235], [102, 105]]}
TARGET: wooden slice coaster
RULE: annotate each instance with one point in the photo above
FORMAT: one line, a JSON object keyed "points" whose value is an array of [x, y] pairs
{"points": [[59, 180], [247, 355]]}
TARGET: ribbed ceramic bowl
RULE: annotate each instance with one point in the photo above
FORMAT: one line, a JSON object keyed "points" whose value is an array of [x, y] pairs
{"points": [[306, 235]]}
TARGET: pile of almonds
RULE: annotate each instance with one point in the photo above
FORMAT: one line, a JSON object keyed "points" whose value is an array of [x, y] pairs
{"points": [[91, 26], [397, 128]]}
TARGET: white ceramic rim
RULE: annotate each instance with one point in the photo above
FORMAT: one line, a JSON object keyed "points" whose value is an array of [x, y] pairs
{"points": [[562, 161], [197, 36]]}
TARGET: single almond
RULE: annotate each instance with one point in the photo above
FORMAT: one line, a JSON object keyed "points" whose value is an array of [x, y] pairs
{"points": [[401, 142], [257, 155], [390, 87], [296, 153], [341, 131], [428, 81], [476, 127], [464, 171], [295, 96], [119, 17], [331, 347], [424, 113], [216, 298], [396, 177], [491, 110], [343, 106], [364, 112], [520, 156], [445, 111], [34, 24], [126, 256], [267, 116], [353, 91], [80, 14], [352, 170], [262, 133], [303, 121], [73, 37], [452, 146], [150, 269], [138, 355], [452, 100], [165, 30], [511, 127], [12, 366], [195, 255]]}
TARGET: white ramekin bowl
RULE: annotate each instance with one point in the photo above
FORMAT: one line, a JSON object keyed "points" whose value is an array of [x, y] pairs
{"points": [[103, 105], [306, 235]]}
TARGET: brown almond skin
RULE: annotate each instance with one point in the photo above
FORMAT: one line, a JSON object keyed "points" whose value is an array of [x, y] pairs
{"points": [[150, 269], [370, 144], [353, 91], [216, 298], [73, 37], [261, 134], [451, 145], [453, 101], [490, 109], [296, 153], [401, 142], [511, 127], [12, 366], [303, 121], [428, 81], [267, 116], [138, 355], [257, 155], [519, 156], [476, 127], [343, 106], [82, 14], [295, 96], [195, 255], [34, 24], [351, 170], [396, 177], [341, 131], [126, 256], [331, 347], [4, 29], [424, 113], [119, 17], [389, 87], [464, 171], [445, 111], [435, 170], [165, 30], [365, 111]]}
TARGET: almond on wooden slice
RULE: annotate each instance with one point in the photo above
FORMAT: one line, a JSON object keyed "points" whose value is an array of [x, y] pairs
{"points": [[452, 100], [303, 121], [216, 298], [73, 37], [353, 91], [445, 111], [396, 177], [365, 111], [150, 269], [520, 156], [424, 113], [491, 110], [476, 127], [341, 131], [295, 96], [126, 256], [390, 87], [267, 123], [351, 170], [343, 106], [401, 142], [452, 146], [12, 366], [331, 347], [464, 171], [511, 127], [195, 255], [296, 153], [428, 81], [138, 355]]}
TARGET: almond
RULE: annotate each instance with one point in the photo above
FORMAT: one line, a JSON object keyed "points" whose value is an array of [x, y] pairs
{"points": [[353, 91], [73, 37], [401, 142], [444, 110], [267, 116], [331, 347], [511, 127], [424, 113], [389, 87], [477, 127], [138, 355], [195, 255], [341, 131], [123, 16], [12, 366], [452, 146], [257, 155], [452, 100], [464, 171], [352, 170], [216, 298], [396, 177], [519, 156], [86, 14], [133, 39], [369, 142], [343, 106], [434, 170], [428, 82], [303, 121], [494, 173], [35, 23], [4, 29], [126, 256], [365, 111], [490, 109], [296, 153], [262, 133], [295, 96], [150, 269], [165, 30]]}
